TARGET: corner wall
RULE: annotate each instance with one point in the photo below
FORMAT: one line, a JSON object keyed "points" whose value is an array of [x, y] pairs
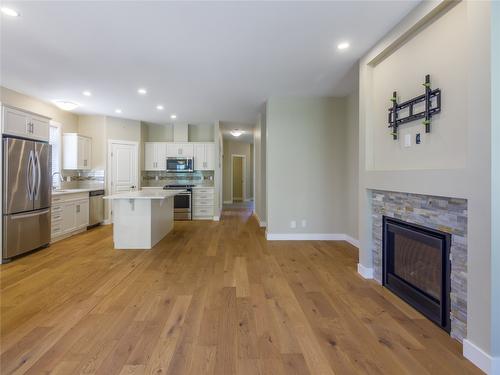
{"points": [[259, 142], [306, 152], [495, 193], [468, 175]]}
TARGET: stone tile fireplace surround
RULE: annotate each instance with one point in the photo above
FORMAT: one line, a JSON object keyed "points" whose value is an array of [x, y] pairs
{"points": [[441, 213]]}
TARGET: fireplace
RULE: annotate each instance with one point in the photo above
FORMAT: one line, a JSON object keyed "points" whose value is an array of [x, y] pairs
{"points": [[416, 267]]}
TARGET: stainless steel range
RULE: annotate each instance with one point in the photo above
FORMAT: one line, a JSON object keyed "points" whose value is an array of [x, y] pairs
{"points": [[182, 201]]}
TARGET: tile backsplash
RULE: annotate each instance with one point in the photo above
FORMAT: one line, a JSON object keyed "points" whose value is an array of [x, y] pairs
{"points": [[83, 179], [95, 178], [162, 178]]}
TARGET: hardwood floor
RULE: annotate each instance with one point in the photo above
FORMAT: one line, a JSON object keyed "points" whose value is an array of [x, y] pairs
{"points": [[211, 298]]}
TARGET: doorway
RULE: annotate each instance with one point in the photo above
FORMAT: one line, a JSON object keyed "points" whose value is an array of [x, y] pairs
{"points": [[238, 178], [123, 170]]}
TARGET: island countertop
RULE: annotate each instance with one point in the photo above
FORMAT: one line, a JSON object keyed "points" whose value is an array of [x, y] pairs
{"points": [[145, 194]]}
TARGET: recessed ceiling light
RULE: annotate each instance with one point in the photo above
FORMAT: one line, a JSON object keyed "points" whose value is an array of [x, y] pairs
{"points": [[142, 91], [173, 117], [159, 107], [236, 132], [343, 45], [10, 12], [118, 110], [66, 105], [87, 93]]}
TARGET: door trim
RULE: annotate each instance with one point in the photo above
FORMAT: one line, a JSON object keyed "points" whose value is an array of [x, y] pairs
{"points": [[244, 173], [109, 173]]}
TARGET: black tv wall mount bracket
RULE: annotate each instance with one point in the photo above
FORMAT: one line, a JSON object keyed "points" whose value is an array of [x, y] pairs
{"points": [[432, 103]]}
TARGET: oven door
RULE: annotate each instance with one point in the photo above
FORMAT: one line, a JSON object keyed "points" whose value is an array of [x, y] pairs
{"points": [[179, 165]]}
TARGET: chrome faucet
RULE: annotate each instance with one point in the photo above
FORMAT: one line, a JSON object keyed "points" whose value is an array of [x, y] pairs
{"points": [[60, 179]]}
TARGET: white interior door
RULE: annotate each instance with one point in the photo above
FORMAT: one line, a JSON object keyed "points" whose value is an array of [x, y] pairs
{"points": [[124, 170]]}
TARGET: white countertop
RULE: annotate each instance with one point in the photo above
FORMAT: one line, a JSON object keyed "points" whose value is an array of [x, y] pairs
{"points": [[73, 191], [145, 194]]}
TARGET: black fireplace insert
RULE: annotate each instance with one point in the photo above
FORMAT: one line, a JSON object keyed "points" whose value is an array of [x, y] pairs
{"points": [[416, 267]]}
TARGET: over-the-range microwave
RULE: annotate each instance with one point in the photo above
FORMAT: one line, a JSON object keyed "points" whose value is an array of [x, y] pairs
{"points": [[180, 164]]}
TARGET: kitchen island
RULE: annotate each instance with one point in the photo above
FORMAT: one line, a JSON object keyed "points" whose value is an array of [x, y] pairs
{"points": [[142, 218]]}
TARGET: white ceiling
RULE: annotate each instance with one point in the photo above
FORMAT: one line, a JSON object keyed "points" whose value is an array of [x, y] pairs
{"points": [[204, 61]]}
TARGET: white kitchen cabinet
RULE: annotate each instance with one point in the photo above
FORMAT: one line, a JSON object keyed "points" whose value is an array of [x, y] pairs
{"points": [[70, 214], [155, 156], [25, 124], [82, 213], [204, 158], [77, 151], [68, 217], [180, 150], [203, 203]]}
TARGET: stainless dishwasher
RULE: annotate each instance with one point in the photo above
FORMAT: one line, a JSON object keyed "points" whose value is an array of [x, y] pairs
{"points": [[96, 207]]}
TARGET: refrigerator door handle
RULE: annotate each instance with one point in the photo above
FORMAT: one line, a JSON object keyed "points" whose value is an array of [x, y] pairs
{"points": [[38, 175], [29, 176], [24, 216]]}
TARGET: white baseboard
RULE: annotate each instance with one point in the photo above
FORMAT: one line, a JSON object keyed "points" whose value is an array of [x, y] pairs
{"points": [[365, 272], [262, 224], [216, 218], [490, 365], [354, 242], [311, 237], [305, 237], [107, 222]]}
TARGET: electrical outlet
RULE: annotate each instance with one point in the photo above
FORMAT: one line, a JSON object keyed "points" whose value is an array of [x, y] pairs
{"points": [[157, 178], [407, 140], [293, 224], [304, 223]]}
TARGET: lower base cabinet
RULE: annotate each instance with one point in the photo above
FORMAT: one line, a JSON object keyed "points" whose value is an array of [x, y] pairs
{"points": [[203, 203], [70, 213]]}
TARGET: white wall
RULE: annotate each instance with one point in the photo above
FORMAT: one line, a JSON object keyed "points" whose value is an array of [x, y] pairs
{"points": [[404, 71], [352, 160], [95, 128], [237, 148], [259, 142], [158, 133], [469, 176], [13, 98], [495, 146], [306, 165]]}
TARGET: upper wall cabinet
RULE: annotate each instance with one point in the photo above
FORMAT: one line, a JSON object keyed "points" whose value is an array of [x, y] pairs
{"points": [[204, 157], [24, 124], [77, 151], [180, 150], [155, 156]]}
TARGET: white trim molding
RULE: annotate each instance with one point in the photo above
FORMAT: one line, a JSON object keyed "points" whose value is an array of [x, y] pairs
{"points": [[365, 272], [490, 365], [216, 218], [228, 202], [311, 237], [262, 224]]}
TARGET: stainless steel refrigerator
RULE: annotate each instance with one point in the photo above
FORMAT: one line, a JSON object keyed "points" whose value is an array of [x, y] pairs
{"points": [[26, 196]]}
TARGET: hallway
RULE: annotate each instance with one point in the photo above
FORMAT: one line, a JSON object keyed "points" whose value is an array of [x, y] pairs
{"points": [[210, 298]]}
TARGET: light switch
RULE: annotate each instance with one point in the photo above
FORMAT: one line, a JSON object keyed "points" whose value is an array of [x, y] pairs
{"points": [[407, 140]]}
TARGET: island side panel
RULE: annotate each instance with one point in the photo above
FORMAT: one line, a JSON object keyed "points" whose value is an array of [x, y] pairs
{"points": [[162, 218], [132, 223]]}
